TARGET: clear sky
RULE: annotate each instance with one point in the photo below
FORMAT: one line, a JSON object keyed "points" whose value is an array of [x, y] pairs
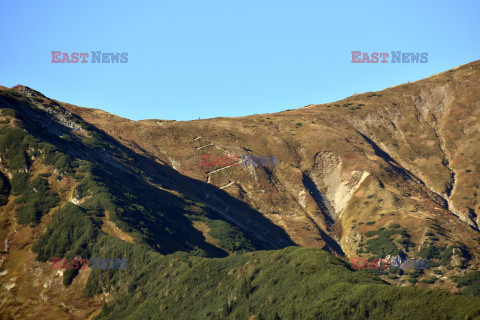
{"points": [[204, 59]]}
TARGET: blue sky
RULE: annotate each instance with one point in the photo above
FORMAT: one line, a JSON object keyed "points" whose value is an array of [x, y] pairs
{"points": [[193, 59]]}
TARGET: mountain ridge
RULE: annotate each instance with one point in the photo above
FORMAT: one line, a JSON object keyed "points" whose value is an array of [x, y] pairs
{"points": [[373, 175]]}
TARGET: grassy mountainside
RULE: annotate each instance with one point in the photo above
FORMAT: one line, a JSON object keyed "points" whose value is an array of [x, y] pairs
{"points": [[293, 283], [62, 192], [396, 173], [406, 155]]}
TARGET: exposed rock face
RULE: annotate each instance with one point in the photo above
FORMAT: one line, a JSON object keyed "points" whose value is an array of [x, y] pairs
{"points": [[24, 91], [338, 186]]}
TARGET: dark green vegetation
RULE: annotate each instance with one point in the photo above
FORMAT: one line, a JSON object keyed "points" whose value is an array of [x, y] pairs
{"points": [[37, 200], [293, 283], [12, 145], [231, 237], [389, 241], [470, 283], [71, 233], [441, 254], [393, 240]]}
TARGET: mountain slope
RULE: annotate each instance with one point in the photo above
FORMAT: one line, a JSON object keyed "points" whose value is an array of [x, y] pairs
{"points": [[404, 155], [375, 174]]}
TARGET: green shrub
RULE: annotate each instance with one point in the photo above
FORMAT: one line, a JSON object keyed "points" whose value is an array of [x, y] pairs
{"points": [[13, 93], [430, 251], [12, 139], [64, 163], [69, 275], [70, 233], [383, 244], [39, 199], [370, 234], [9, 112], [470, 282], [92, 142], [67, 137], [231, 238], [443, 254], [27, 213], [18, 159], [430, 280], [20, 182], [88, 185], [198, 252]]}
